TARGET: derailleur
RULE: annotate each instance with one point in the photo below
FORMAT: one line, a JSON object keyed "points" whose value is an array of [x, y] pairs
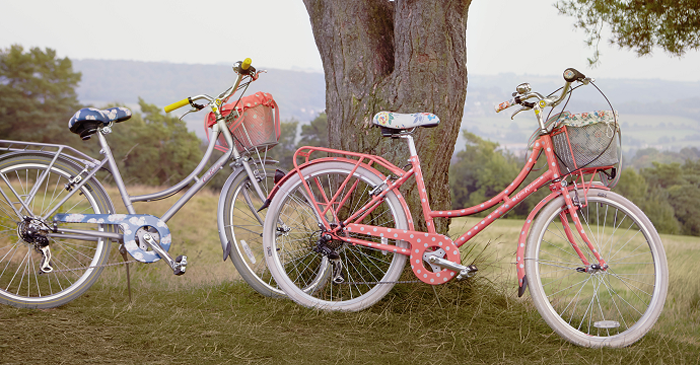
{"points": [[34, 231], [322, 247]]}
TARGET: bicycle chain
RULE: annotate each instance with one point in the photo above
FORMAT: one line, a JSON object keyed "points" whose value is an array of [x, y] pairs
{"points": [[382, 282], [96, 266]]}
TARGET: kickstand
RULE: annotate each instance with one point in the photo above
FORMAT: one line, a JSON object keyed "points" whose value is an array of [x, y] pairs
{"points": [[122, 250], [437, 297]]}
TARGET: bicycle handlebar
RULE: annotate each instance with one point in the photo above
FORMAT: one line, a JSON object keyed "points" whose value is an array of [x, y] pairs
{"points": [[246, 63], [242, 68], [524, 93], [505, 105], [177, 105]]}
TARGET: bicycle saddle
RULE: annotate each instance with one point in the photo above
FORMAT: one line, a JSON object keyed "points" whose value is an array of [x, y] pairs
{"points": [[86, 121], [405, 121]]}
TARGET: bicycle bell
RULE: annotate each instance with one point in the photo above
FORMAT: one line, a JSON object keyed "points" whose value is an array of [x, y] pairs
{"points": [[523, 88]]}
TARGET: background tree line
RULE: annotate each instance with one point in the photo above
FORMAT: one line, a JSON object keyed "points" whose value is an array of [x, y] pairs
{"points": [[37, 98]]}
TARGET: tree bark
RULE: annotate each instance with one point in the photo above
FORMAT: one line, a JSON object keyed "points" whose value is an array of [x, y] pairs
{"points": [[404, 56]]}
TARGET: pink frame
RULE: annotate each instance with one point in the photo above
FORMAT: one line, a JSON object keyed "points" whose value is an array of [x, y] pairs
{"points": [[418, 239]]}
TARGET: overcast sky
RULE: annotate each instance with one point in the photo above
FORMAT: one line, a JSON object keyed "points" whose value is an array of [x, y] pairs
{"points": [[523, 37]]}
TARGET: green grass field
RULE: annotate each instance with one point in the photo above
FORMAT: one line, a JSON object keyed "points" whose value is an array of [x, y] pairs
{"points": [[208, 316]]}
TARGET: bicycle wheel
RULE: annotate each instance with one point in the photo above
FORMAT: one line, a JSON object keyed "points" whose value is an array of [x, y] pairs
{"points": [[352, 277], [595, 308], [242, 226], [76, 263]]}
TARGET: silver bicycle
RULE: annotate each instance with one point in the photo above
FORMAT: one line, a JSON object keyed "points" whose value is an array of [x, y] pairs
{"points": [[57, 222]]}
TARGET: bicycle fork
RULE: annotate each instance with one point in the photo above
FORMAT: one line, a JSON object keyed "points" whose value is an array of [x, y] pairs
{"points": [[572, 206]]}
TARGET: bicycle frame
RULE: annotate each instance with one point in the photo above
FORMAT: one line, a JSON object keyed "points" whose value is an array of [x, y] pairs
{"points": [[418, 249], [92, 166]]}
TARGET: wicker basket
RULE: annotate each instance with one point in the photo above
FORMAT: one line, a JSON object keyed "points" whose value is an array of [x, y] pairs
{"points": [[255, 124], [590, 144]]}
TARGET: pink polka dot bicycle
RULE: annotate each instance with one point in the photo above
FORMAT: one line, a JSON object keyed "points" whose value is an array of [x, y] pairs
{"points": [[338, 231]]}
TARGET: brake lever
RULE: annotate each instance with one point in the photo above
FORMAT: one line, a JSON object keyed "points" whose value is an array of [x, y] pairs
{"points": [[195, 108], [522, 109], [256, 74]]}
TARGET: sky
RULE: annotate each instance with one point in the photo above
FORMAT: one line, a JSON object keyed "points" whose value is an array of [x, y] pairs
{"points": [[503, 36]]}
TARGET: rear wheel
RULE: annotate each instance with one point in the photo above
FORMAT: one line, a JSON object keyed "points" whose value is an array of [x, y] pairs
{"points": [[76, 263], [331, 275], [591, 306]]}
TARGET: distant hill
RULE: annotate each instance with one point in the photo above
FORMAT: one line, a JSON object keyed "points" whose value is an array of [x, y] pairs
{"points": [[301, 95]]}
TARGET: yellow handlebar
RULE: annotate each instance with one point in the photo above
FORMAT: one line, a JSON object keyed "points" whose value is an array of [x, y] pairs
{"points": [[246, 63], [176, 105]]}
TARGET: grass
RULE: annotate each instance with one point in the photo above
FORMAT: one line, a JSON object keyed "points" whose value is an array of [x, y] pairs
{"points": [[208, 316], [195, 234], [681, 316]]}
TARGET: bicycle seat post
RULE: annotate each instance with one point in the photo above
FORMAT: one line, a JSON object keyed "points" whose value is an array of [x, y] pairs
{"points": [[411, 144], [107, 151]]}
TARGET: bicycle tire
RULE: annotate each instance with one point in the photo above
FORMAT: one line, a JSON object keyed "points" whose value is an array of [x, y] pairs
{"points": [[76, 263], [598, 308], [243, 227], [292, 232]]}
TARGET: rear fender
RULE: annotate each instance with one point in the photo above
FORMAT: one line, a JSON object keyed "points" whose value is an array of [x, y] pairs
{"points": [[299, 168], [76, 164]]}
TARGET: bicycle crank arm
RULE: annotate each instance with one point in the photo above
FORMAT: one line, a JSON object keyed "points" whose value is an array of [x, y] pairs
{"points": [[179, 265], [464, 271]]}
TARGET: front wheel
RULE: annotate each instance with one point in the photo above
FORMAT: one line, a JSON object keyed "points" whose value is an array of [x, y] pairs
{"points": [[242, 225], [590, 306], [25, 232], [331, 274]]}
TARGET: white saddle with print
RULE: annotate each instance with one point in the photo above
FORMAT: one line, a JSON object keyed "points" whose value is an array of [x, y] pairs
{"points": [[405, 121]]}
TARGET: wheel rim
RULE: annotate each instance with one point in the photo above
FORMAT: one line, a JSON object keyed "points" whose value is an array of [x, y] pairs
{"points": [[366, 273], [245, 227], [604, 304], [74, 261]]}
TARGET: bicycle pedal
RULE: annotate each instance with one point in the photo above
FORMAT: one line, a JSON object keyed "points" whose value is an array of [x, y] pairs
{"points": [[180, 265], [467, 272]]}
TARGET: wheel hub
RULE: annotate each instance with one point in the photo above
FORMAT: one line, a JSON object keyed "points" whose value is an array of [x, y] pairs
{"points": [[327, 246], [33, 231], [592, 269]]}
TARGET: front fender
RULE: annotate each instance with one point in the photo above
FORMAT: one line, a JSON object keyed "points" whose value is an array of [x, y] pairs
{"points": [[524, 233], [225, 244]]}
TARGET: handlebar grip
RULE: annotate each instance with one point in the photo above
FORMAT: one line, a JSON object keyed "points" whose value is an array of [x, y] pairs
{"points": [[504, 105], [246, 64], [571, 75], [179, 104]]}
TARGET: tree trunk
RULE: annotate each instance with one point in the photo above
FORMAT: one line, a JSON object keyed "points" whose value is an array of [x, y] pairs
{"points": [[404, 56]]}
